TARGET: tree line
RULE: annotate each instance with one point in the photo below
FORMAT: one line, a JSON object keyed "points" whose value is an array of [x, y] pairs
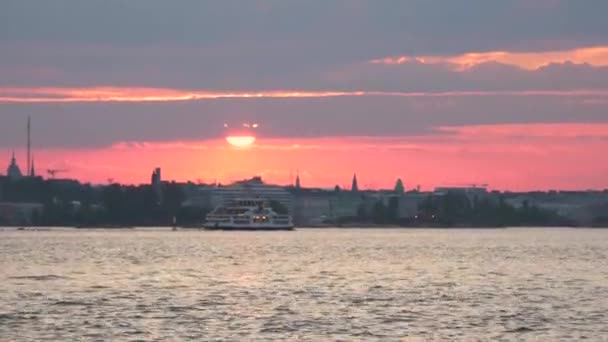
{"points": [[456, 209], [74, 204]]}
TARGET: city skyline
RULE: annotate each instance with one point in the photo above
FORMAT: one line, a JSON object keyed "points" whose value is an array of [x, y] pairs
{"points": [[511, 94], [181, 172]]}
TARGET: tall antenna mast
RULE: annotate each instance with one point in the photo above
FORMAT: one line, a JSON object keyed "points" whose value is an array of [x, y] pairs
{"points": [[29, 145]]}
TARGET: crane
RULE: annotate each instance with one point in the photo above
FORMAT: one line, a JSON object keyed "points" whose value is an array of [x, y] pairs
{"points": [[472, 185], [53, 172]]}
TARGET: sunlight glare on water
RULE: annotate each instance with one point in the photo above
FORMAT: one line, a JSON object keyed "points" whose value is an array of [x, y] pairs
{"points": [[494, 284]]}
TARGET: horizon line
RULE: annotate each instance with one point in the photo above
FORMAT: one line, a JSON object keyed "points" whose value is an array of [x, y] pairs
{"points": [[362, 188]]}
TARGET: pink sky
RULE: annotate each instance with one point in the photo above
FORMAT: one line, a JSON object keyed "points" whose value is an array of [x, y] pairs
{"points": [[513, 157]]}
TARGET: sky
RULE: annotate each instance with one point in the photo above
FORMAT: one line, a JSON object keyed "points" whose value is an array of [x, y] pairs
{"points": [[513, 94]]}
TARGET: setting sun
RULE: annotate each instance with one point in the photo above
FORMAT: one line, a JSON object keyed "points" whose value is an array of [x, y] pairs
{"points": [[240, 141]]}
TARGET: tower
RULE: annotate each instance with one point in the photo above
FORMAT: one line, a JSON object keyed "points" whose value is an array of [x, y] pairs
{"points": [[156, 177], [33, 169], [29, 146], [298, 180], [399, 188], [355, 185], [157, 185]]}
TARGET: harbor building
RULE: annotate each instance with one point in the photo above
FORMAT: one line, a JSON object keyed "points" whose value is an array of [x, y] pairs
{"points": [[213, 196]]}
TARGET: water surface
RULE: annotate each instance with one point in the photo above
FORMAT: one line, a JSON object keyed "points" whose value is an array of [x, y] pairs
{"points": [[330, 284]]}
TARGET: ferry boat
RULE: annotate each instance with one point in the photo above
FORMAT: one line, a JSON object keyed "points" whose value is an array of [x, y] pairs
{"points": [[247, 214]]}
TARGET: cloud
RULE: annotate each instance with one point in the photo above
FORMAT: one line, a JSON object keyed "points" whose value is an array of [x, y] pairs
{"points": [[94, 73], [95, 124], [534, 60], [414, 75], [117, 94], [465, 24], [538, 130], [267, 44]]}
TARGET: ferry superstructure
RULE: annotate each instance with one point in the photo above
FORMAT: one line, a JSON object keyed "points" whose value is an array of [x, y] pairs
{"points": [[247, 214]]}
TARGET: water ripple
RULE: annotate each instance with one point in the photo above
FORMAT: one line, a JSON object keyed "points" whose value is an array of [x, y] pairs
{"points": [[343, 285], [39, 277]]}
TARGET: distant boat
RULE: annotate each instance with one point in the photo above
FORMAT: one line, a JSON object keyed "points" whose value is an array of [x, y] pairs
{"points": [[247, 214]]}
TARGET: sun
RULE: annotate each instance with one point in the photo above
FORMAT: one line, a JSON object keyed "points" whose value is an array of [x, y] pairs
{"points": [[240, 141]]}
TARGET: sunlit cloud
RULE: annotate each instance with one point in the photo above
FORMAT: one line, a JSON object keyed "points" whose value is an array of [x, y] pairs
{"points": [[594, 56], [123, 145], [118, 94], [594, 101], [534, 130], [438, 139], [278, 144]]}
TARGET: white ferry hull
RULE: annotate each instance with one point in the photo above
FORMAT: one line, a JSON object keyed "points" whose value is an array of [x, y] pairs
{"points": [[248, 227]]}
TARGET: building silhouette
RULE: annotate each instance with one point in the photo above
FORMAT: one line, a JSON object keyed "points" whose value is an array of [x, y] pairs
{"points": [[30, 164], [33, 169], [399, 188], [14, 172], [156, 183], [298, 186], [211, 197], [156, 177], [355, 185]]}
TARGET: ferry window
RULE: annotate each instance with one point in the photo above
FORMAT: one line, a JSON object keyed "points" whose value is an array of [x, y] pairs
{"points": [[260, 219]]}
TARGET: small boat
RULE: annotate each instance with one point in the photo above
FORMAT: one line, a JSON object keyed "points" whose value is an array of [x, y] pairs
{"points": [[247, 214], [174, 224]]}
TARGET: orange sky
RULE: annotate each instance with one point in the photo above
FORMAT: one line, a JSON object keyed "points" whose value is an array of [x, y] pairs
{"points": [[514, 157]]}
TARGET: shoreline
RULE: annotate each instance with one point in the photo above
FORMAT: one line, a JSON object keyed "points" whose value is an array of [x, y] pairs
{"points": [[353, 227]]}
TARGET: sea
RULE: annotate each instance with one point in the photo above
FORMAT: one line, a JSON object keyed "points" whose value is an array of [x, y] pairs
{"points": [[524, 284]]}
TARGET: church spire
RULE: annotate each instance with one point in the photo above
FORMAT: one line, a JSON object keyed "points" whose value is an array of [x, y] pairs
{"points": [[298, 179], [29, 144], [355, 185]]}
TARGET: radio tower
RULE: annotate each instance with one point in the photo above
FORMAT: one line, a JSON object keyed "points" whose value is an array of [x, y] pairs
{"points": [[29, 146]]}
